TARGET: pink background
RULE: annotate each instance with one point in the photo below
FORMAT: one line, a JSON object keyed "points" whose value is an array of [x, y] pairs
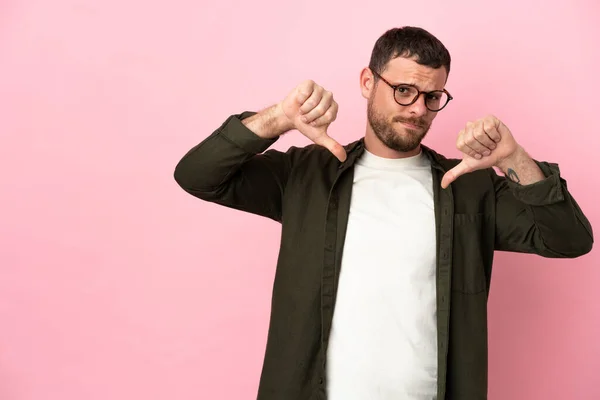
{"points": [[115, 284]]}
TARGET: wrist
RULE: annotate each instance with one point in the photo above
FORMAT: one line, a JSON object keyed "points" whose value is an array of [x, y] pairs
{"points": [[282, 122], [520, 168], [269, 123], [512, 161]]}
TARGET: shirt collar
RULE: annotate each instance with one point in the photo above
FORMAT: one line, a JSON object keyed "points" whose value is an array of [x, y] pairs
{"points": [[356, 148]]}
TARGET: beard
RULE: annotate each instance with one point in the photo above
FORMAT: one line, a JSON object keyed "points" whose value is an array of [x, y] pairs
{"points": [[390, 135]]}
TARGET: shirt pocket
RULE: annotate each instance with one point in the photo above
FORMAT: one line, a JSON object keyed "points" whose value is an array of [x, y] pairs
{"points": [[468, 269]]}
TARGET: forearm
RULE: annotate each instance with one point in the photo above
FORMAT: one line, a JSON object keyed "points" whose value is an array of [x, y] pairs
{"points": [[521, 168], [269, 123]]}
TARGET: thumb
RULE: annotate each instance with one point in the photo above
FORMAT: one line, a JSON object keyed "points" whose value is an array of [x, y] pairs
{"points": [[450, 176], [333, 146]]}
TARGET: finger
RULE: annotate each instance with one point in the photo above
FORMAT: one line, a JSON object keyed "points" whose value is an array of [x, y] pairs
{"points": [[334, 147], [480, 134], [492, 130], [328, 117], [473, 153], [465, 148], [320, 109], [450, 176], [472, 143], [502, 129], [312, 101], [304, 91]]}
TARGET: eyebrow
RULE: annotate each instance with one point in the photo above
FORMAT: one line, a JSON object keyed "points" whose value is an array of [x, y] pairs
{"points": [[415, 85]]}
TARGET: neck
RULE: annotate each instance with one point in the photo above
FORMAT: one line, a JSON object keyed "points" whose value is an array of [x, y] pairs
{"points": [[374, 145]]}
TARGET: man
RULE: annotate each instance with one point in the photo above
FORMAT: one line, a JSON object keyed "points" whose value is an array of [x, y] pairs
{"points": [[386, 251]]}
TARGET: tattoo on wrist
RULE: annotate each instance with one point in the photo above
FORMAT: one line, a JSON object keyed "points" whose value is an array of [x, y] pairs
{"points": [[512, 175]]}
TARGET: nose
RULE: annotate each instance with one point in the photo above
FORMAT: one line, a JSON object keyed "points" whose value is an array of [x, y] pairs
{"points": [[418, 107]]}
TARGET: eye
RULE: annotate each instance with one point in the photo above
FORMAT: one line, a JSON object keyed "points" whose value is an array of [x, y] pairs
{"points": [[405, 91]]}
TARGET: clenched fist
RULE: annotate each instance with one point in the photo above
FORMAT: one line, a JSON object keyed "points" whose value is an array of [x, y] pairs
{"points": [[485, 143], [311, 109]]}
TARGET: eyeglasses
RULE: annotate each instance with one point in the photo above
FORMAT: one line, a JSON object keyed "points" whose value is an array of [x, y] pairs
{"points": [[405, 95]]}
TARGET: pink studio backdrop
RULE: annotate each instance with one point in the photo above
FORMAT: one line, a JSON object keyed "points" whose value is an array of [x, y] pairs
{"points": [[115, 284]]}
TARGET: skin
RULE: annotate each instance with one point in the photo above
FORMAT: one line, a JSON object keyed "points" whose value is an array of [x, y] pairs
{"points": [[395, 131]]}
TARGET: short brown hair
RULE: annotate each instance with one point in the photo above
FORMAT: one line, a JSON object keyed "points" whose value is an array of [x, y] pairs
{"points": [[409, 42]]}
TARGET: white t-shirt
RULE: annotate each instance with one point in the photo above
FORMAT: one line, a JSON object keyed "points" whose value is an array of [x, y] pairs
{"points": [[383, 342]]}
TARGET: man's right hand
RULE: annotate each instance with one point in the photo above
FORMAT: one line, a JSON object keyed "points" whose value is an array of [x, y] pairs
{"points": [[311, 109]]}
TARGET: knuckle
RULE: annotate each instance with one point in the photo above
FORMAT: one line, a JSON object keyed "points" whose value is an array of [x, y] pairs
{"points": [[321, 108], [306, 87], [303, 92]]}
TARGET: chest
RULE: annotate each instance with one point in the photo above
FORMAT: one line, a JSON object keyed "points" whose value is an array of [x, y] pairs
{"points": [[391, 220], [392, 206]]}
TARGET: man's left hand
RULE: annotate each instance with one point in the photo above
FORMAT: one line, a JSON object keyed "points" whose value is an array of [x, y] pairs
{"points": [[485, 143]]}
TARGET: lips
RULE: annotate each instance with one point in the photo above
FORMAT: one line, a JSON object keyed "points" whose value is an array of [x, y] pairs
{"points": [[411, 125]]}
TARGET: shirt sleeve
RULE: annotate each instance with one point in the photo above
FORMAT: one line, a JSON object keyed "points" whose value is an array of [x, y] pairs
{"points": [[541, 218], [232, 167]]}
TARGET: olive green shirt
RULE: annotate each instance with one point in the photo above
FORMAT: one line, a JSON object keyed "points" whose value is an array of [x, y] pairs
{"points": [[308, 191]]}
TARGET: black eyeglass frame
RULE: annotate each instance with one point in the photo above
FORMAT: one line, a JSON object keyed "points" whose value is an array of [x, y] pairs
{"points": [[419, 92]]}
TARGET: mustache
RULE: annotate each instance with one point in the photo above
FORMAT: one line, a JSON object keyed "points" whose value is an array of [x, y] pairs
{"points": [[414, 121]]}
